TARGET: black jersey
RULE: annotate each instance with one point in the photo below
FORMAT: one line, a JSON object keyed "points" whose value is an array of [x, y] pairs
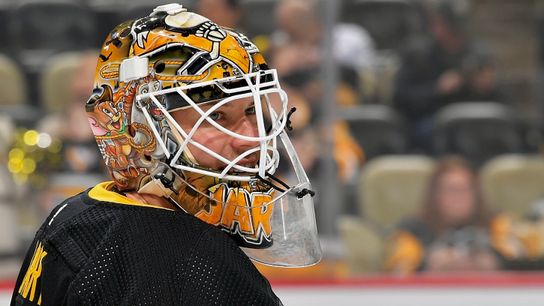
{"points": [[93, 250]]}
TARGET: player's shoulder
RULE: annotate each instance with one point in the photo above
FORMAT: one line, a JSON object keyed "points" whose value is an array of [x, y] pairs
{"points": [[67, 209]]}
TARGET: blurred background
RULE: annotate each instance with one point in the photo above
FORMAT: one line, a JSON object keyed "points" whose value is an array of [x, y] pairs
{"points": [[420, 123]]}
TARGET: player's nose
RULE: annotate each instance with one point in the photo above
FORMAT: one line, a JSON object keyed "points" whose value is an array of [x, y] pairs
{"points": [[248, 129]]}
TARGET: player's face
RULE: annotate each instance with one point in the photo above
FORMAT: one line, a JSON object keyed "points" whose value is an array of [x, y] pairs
{"points": [[238, 116]]}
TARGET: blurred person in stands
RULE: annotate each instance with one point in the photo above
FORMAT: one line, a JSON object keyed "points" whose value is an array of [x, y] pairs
{"points": [[297, 23], [443, 67], [453, 231], [520, 241], [71, 125], [226, 13], [297, 47], [296, 51], [81, 163]]}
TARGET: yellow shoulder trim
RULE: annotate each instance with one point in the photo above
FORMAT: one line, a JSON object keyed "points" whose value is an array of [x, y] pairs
{"points": [[102, 192]]}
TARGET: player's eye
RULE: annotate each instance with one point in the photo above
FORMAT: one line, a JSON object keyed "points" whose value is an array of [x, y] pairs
{"points": [[106, 111], [250, 110], [215, 116]]}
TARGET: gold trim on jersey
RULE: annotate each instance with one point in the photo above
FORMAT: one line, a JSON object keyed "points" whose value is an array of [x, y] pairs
{"points": [[103, 192]]}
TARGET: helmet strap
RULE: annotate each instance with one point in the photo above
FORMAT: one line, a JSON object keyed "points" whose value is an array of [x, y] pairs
{"points": [[163, 182]]}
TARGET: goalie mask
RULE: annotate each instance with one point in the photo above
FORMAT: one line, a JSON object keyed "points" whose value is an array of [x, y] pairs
{"points": [[187, 110]]}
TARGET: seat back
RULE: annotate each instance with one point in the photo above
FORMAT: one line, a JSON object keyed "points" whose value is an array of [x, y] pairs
{"points": [[56, 92], [258, 17], [393, 188], [364, 245], [52, 25], [513, 183], [478, 131], [378, 129], [389, 22], [12, 83]]}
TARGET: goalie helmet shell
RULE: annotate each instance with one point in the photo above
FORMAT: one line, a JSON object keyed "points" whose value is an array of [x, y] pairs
{"points": [[179, 50]]}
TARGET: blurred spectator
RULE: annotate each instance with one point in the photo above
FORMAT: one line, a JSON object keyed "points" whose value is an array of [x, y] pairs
{"points": [[296, 52], [296, 49], [81, 164], [226, 13], [71, 125], [353, 47], [443, 68], [452, 232], [521, 241], [295, 46], [297, 23]]}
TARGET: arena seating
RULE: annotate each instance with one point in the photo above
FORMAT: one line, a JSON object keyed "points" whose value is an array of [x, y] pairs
{"points": [[14, 94], [41, 28], [477, 130], [50, 25], [261, 20], [513, 183], [389, 22], [393, 187], [55, 91], [12, 83], [378, 129], [362, 257], [5, 39], [37, 36]]}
